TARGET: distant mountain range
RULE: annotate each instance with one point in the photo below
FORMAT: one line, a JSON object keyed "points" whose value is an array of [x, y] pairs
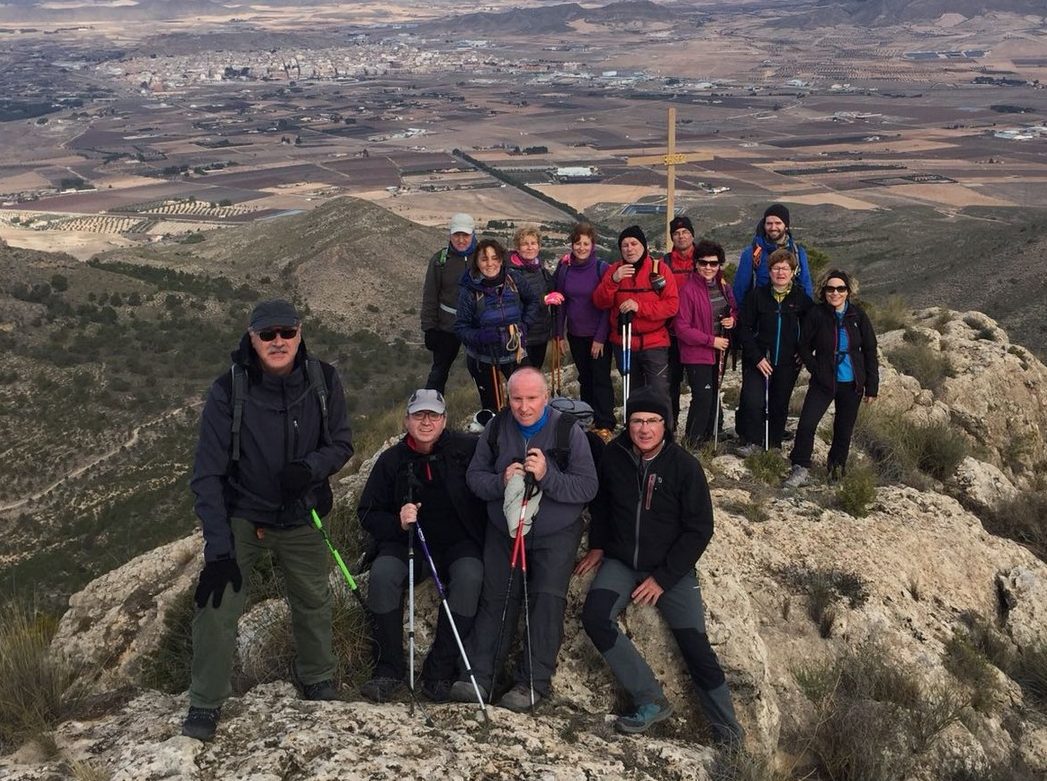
{"points": [[555, 17]]}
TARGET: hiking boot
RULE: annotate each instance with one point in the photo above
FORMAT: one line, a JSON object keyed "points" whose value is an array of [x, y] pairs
{"points": [[604, 433], [438, 691], [518, 699], [797, 476], [463, 691], [749, 449], [320, 691], [201, 723], [645, 717], [381, 689]]}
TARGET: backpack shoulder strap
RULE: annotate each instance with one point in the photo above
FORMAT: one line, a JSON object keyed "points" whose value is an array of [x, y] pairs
{"points": [[318, 382], [238, 384], [561, 453]]}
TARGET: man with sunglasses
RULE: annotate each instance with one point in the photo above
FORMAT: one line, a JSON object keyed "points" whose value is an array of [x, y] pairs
{"points": [[651, 521], [273, 430], [421, 480]]}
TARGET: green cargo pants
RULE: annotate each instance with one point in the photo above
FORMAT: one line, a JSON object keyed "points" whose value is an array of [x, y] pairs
{"points": [[301, 556]]}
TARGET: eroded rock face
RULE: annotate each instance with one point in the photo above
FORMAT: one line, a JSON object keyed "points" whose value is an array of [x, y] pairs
{"points": [[118, 619], [998, 395], [919, 565]]}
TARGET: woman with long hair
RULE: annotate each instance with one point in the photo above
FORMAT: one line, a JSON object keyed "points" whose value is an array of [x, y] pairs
{"points": [[838, 347], [495, 309]]}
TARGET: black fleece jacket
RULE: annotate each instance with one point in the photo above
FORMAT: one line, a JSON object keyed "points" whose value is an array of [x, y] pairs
{"points": [[281, 423], [819, 341], [386, 489], [657, 520], [771, 330]]}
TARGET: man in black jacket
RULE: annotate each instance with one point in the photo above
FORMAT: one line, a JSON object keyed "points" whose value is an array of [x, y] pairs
{"points": [[273, 430], [421, 479], [651, 520]]}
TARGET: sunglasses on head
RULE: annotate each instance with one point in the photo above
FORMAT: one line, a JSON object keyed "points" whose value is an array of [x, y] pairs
{"points": [[271, 333], [836, 288], [708, 263]]}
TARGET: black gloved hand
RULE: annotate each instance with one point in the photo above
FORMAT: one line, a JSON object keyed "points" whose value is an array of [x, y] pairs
{"points": [[214, 577], [295, 479], [430, 339]]}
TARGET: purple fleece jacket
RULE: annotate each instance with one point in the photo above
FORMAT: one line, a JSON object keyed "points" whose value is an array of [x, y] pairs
{"points": [[694, 325], [577, 279]]}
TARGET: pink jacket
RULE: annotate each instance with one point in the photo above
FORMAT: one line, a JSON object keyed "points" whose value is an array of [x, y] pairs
{"points": [[694, 324]]}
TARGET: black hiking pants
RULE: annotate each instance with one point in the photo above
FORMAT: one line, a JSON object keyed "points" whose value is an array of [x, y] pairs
{"points": [[847, 402], [594, 379], [750, 419], [444, 346]]}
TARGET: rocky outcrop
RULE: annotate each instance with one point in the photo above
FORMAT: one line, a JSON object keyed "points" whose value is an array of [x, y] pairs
{"points": [[908, 577]]}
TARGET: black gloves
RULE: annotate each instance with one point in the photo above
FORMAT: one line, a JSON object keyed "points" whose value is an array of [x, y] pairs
{"points": [[295, 479], [216, 575]]}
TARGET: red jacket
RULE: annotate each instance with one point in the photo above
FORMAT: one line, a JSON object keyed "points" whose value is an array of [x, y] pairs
{"points": [[649, 322], [683, 269]]}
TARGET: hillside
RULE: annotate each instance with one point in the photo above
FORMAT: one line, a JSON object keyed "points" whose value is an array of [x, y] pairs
{"points": [[894, 638], [107, 363]]}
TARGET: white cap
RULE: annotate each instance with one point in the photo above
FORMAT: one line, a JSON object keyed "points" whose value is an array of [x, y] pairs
{"points": [[462, 223]]}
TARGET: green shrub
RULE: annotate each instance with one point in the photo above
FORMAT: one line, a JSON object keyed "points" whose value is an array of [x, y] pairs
{"points": [[872, 717], [1030, 671], [856, 491], [888, 315], [903, 450], [168, 667], [929, 366], [767, 466], [824, 589], [737, 764], [35, 684], [1021, 519], [971, 667]]}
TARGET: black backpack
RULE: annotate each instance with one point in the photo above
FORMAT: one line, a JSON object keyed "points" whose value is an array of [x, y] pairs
{"points": [[561, 450]]}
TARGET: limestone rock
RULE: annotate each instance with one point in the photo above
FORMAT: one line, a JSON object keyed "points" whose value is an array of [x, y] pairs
{"points": [[983, 485], [119, 618]]}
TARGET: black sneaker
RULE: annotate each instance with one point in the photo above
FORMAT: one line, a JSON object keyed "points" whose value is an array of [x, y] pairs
{"points": [[381, 689], [201, 723], [320, 691], [437, 691]]}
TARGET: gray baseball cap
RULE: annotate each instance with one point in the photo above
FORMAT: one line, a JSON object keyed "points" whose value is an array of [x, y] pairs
{"points": [[426, 400]]}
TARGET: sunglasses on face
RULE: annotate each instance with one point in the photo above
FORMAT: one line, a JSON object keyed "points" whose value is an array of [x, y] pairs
{"points": [[284, 333], [836, 288], [709, 263]]}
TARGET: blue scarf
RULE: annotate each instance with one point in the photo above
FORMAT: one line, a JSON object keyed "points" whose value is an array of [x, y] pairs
{"points": [[468, 250], [534, 428]]}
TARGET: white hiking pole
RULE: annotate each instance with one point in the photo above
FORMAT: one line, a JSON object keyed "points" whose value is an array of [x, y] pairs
{"points": [[719, 401], [627, 360], [766, 413], [410, 605]]}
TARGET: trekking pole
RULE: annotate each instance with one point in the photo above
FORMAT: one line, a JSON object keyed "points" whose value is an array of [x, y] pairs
{"points": [[719, 400], [495, 388], [557, 372], [627, 359], [353, 587], [338, 560], [529, 486], [766, 413], [522, 544], [450, 617]]}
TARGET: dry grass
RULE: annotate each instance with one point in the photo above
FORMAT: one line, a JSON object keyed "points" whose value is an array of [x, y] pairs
{"points": [[37, 687]]}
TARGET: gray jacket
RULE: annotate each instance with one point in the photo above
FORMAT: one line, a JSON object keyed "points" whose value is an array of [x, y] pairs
{"points": [[564, 494], [440, 290]]}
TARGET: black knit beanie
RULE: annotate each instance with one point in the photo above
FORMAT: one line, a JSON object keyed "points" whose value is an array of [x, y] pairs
{"points": [[647, 399], [779, 211], [635, 232], [681, 222]]}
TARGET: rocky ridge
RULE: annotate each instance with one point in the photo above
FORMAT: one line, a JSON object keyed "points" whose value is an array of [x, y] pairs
{"points": [[919, 568]]}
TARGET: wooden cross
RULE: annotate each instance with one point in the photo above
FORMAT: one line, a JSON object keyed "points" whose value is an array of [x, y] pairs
{"points": [[670, 160]]}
